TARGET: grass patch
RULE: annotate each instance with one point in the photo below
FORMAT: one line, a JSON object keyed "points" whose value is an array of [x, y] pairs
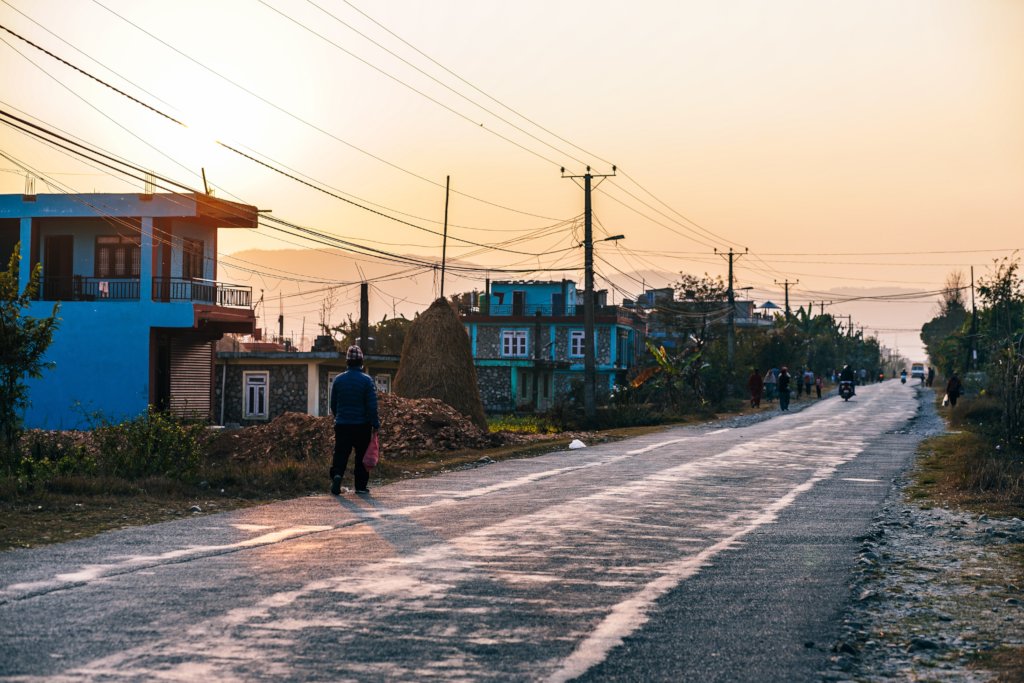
{"points": [[969, 469]]}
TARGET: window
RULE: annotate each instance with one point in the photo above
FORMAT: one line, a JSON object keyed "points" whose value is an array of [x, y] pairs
{"points": [[254, 395], [576, 347], [192, 259], [117, 256], [513, 343], [383, 383]]}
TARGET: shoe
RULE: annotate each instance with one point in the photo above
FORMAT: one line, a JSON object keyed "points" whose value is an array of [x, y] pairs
{"points": [[362, 490], [336, 485]]}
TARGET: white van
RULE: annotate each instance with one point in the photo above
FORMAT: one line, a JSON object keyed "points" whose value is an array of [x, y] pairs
{"points": [[917, 370]]}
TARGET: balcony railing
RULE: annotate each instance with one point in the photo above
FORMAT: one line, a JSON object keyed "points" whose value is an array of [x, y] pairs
{"points": [[201, 291], [79, 288], [523, 309]]}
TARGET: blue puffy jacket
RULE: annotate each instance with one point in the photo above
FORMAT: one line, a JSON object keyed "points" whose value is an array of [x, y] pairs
{"points": [[354, 399]]}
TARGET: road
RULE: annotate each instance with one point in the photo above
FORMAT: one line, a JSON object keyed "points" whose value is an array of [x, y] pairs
{"points": [[692, 554]]}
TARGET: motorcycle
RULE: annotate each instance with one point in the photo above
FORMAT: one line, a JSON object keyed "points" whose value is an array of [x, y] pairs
{"points": [[903, 377], [846, 389]]}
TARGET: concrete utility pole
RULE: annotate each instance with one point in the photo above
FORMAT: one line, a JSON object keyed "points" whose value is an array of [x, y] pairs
{"points": [[971, 360], [732, 307], [787, 284], [589, 363]]}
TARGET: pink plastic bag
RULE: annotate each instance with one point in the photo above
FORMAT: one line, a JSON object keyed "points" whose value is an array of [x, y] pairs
{"points": [[372, 455]]}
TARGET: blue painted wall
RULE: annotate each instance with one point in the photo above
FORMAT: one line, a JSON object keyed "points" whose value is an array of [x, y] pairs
{"points": [[101, 351]]}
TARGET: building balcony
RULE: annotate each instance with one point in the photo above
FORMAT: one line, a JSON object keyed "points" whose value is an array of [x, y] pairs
{"points": [[80, 288]]}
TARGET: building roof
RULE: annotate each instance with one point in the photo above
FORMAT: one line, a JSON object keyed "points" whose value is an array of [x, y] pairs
{"points": [[203, 208]]}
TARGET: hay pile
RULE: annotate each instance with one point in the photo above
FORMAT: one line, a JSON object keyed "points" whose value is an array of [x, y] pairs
{"points": [[437, 362]]}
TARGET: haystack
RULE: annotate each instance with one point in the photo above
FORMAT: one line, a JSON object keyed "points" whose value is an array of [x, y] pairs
{"points": [[437, 362]]}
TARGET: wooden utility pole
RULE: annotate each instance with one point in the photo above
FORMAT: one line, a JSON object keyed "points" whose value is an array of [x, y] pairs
{"points": [[589, 362], [787, 284], [364, 317], [444, 242]]}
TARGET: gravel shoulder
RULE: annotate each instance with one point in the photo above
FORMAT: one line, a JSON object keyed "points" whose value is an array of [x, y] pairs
{"points": [[936, 594]]}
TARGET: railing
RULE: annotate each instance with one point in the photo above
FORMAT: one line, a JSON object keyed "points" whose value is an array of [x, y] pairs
{"points": [[522, 309], [78, 288], [201, 291]]}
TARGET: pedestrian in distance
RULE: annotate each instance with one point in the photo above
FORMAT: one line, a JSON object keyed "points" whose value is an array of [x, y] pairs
{"points": [[953, 389], [354, 406], [769, 384], [755, 385], [808, 382], [817, 386], [931, 376], [783, 388], [799, 383]]}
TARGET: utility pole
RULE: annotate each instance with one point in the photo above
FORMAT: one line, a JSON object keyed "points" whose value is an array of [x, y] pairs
{"points": [[444, 243], [849, 322], [822, 304], [787, 284], [972, 360], [732, 309], [589, 364], [364, 316]]}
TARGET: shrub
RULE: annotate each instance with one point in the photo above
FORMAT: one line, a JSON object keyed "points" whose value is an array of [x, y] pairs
{"points": [[152, 444]]}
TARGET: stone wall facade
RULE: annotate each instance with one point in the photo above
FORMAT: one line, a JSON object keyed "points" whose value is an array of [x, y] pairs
{"points": [[286, 391], [495, 384]]}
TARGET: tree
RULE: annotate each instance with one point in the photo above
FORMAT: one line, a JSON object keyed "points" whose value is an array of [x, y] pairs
{"points": [[944, 336], [23, 342]]}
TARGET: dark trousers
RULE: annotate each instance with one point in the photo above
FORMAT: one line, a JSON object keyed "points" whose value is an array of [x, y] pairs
{"points": [[784, 399], [347, 437]]}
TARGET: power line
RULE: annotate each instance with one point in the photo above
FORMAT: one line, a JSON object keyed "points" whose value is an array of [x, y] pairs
{"points": [[307, 123]]}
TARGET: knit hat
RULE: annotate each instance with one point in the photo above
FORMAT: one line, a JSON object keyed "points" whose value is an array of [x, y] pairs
{"points": [[354, 353]]}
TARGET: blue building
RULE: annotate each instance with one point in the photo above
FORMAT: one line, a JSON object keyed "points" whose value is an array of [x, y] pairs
{"points": [[140, 304], [527, 342]]}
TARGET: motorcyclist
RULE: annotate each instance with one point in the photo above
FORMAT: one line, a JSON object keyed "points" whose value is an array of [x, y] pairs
{"points": [[847, 375], [903, 377]]}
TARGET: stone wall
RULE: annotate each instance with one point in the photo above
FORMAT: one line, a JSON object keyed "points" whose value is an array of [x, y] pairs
{"points": [[287, 391], [495, 385]]}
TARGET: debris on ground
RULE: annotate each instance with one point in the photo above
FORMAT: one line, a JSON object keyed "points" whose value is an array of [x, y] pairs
{"points": [[409, 427]]}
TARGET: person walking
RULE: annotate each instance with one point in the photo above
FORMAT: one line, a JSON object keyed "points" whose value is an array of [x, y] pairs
{"points": [[354, 406], [808, 381], [769, 385], [931, 376], [799, 383], [817, 386], [953, 389], [755, 384], [783, 388]]}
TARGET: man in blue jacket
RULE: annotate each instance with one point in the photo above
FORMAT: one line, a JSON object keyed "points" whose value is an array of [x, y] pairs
{"points": [[354, 406]]}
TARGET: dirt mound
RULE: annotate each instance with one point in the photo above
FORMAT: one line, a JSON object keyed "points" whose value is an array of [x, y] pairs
{"points": [[408, 427]]}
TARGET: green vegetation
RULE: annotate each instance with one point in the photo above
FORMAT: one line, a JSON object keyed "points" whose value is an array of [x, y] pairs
{"points": [[23, 341], [690, 371], [986, 349], [521, 424]]}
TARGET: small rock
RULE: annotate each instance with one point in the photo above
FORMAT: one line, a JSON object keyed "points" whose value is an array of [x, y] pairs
{"points": [[195, 509], [809, 643], [1012, 601], [920, 643], [576, 443]]}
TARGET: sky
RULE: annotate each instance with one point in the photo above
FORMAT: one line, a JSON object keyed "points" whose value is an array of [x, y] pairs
{"points": [[854, 149]]}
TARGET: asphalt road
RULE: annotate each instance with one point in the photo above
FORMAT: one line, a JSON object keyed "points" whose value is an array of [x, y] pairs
{"points": [[692, 554]]}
